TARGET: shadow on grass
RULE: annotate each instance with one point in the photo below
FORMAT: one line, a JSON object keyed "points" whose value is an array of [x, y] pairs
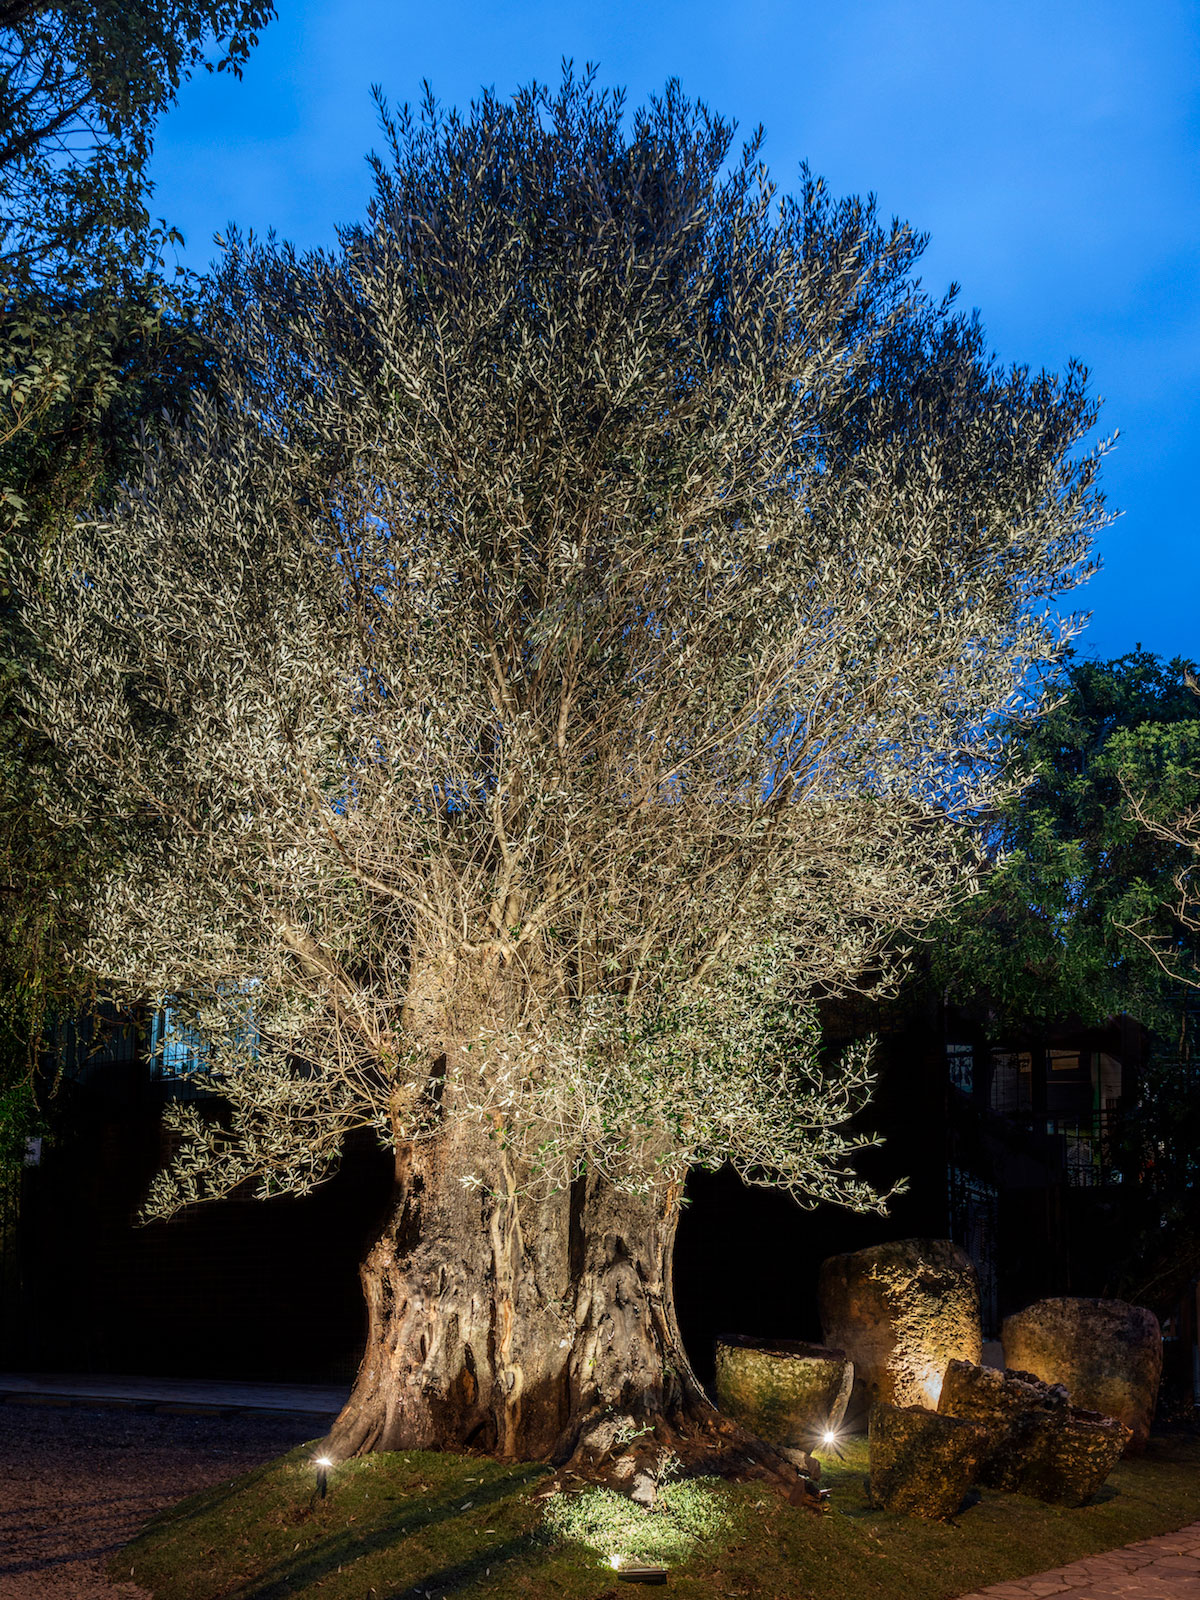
{"points": [[971, 1498], [206, 1502], [450, 1580], [353, 1545]]}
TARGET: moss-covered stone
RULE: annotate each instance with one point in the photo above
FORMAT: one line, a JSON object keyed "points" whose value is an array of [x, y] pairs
{"points": [[1037, 1442], [922, 1463], [1070, 1456], [1008, 1406], [1108, 1354], [784, 1391], [901, 1311]]}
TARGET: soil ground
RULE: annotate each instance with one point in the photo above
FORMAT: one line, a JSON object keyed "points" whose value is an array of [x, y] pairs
{"points": [[77, 1483]]}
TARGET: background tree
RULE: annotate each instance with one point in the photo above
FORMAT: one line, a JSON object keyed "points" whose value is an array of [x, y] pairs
{"points": [[1082, 882], [1089, 913], [82, 84], [96, 340], [76, 451], [574, 636], [1158, 767]]}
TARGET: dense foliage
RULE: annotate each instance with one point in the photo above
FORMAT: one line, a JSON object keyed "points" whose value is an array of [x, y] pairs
{"points": [[598, 578], [82, 84], [78, 449], [82, 282], [1080, 916], [97, 342]]}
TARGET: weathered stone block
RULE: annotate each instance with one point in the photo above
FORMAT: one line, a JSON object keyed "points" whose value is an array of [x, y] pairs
{"points": [[1037, 1442], [787, 1392], [901, 1312], [921, 1462], [1108, 1354], [1068, 1456]]}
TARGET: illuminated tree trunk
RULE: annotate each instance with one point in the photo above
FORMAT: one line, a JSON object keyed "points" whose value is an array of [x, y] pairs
{"points": [[529, 1330]]}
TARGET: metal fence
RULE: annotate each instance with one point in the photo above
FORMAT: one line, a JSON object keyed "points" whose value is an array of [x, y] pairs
{"points": [[974, 1221], [1085, 1146]]}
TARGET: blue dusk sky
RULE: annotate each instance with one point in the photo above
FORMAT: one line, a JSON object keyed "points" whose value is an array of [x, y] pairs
{"points": [[1051, 150]]}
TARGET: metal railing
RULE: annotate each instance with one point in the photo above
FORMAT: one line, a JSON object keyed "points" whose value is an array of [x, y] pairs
{"points": [[1085, 1145]]}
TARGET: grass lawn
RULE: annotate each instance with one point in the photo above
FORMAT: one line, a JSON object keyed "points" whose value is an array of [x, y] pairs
{"points": [[417, 1525]]}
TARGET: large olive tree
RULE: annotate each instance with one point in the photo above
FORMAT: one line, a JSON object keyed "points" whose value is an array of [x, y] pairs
{"points": [[572, 640]]}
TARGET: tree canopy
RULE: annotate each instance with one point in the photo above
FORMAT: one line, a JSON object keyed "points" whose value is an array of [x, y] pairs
{"points": [[82, 266], [597, 568], [82, 84]]}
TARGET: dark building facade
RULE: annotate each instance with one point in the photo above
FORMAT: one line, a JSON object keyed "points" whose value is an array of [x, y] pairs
{"points": [[231, 1288], [1010, 1148]]}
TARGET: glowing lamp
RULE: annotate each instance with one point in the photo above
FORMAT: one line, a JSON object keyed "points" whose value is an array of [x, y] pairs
{"points": [[637, 1571], [322, 1464]]}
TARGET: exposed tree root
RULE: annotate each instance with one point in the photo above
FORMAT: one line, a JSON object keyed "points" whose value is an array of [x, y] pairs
{"points": [[632, 1457]]}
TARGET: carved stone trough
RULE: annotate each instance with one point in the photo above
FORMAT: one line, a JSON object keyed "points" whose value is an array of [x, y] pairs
{"points": [[786, 1392]]}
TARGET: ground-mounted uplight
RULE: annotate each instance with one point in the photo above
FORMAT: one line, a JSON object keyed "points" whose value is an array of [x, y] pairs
{"points": [[322, 1464], [637, 1571], [830, 1443]]}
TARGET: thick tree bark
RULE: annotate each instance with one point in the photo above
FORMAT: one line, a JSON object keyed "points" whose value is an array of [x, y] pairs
{"points": [[534, 1330], [501, 1323], [527, 1328]]}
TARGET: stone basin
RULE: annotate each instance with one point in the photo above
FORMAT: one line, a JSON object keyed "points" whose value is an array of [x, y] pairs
{"points": [[783, 1390]]}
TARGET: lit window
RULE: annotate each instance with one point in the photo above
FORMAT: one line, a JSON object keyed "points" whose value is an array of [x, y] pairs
{"points": [[177, 1051], [960, 1063]]}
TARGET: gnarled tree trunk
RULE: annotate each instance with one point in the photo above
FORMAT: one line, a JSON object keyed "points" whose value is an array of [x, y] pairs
{"points": [[529, 1329]]}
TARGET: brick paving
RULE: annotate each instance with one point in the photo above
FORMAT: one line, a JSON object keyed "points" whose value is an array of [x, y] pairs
{"points": [[1163, 1568]]}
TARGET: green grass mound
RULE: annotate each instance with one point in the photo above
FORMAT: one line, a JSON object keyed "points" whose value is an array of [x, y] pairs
{"points": [[420, 1526]]}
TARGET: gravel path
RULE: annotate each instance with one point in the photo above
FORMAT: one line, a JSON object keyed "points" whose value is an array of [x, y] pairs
{"points": [[76, 1483]]}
